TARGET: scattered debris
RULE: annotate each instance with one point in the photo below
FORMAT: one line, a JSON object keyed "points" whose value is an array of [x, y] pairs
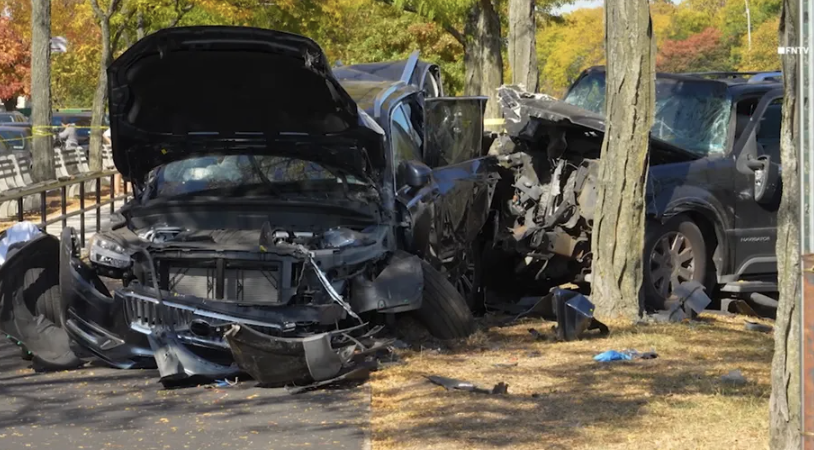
{"points": [[505, 366], [734, 377], [739, 305], [626, 355], [400, 345], [687, 300], [454, 384], [537, 335], [612, 355], [759, 327], [575, 315]]}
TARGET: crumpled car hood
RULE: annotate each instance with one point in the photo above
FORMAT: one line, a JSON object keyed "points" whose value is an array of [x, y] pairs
{"points": [[530, 116], [203, 90]]}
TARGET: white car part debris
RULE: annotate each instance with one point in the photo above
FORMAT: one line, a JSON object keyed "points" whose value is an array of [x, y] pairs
{"points": [[19, 232]]}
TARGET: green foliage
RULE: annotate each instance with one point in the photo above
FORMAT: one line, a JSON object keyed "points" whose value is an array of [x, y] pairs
{"points": [[763, 56]]}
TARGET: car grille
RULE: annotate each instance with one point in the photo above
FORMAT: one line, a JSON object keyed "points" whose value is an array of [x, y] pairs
{"points": [[147, 313]]}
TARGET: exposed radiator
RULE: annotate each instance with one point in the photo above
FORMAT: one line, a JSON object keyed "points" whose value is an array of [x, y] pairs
{"points": [[245, 285]]}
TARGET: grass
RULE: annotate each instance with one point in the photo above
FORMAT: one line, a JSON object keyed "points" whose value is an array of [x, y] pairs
{"points": [[676, 401]]}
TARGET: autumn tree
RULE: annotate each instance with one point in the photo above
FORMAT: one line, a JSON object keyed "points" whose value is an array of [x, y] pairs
{"points": [[785, 401], [476, 25], [702, 52], [104, 13], [15, 65], [618, 235], [42, 145], [763, 55]]}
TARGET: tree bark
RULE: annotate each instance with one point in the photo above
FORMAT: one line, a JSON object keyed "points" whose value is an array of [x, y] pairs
{"points": [[140, 26], [42, 148], [785, 402], [523, 44], [100, 99], [618, 234], [492, 57], [100, 96], [473, 73]]}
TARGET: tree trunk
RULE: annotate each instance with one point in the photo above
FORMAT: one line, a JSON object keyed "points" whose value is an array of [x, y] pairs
{"points": [[492, 57], [42, 149], [473, 72], [785, 402], [100, 99], [523, 44], [140, 26], [618, 234]]}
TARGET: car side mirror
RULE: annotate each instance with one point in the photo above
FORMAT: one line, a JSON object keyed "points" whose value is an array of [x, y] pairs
{"points": [[767, 178], [414, 174]]}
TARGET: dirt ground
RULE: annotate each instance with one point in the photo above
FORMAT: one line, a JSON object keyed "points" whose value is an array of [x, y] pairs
{"points": [[560, 398]]}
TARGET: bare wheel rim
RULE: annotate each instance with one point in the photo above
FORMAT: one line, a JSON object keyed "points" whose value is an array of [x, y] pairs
{"points": [[672, 262], [465, 283]]}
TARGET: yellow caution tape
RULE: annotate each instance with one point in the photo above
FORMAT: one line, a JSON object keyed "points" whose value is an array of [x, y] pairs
{"points": [[489, 122]]}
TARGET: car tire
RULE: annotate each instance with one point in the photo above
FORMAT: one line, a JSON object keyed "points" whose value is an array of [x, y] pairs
{"points": [[673, 252], [41, 295], [443, 311]]}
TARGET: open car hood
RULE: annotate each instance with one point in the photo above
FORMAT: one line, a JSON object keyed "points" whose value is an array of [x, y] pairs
{"points": [[183, 92]]}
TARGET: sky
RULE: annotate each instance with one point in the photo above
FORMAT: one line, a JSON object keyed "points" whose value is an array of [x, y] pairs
{"points": [[585, 4]]}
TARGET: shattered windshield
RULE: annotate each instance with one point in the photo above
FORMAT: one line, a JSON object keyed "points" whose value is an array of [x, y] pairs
{"points": [[693, 115], [234, 171]]}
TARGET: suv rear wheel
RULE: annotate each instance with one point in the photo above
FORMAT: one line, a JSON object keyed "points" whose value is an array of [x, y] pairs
{"points": [[674, 252]]}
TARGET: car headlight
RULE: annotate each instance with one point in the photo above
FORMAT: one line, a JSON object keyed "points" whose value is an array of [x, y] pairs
{"points": [[107, 253]]}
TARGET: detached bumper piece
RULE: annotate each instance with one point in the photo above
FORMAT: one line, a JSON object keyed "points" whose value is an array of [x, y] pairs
{"points": [[192, 337], [317, 360]]}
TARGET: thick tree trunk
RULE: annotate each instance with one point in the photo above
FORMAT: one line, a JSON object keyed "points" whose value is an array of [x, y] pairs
{"points": [[523, 43], [618, 234], [100, 99], [42, 149], [785, 402], [473, 73], [492, 59]]}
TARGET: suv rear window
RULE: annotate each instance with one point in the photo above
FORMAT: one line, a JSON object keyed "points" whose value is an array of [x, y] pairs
{"points": [[693, 115]]}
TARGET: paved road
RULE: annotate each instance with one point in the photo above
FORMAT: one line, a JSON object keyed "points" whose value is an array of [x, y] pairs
{"points": [[102, 409]]}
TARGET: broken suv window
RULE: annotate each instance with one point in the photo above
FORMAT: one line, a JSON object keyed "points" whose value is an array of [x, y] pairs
{"points": [[234, 171], [691, 114]]}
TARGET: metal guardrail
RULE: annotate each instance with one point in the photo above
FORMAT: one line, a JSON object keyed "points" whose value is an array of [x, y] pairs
{"points": [[62, 185]]}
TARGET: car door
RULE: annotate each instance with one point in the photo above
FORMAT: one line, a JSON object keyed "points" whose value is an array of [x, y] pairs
{"points": [[449, 213], [755, 216]]}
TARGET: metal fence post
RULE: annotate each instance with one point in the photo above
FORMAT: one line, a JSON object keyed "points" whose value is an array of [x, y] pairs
{"points": [[806, 156]]}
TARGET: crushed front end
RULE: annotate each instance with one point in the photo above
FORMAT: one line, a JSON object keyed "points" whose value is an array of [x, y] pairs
{"points": [[282, 306]]}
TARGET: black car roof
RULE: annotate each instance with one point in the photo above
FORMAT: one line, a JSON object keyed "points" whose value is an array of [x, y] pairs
{"points": [[737, 86]]}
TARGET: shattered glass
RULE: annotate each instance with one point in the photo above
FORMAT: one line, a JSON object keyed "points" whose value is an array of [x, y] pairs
{"points": [[690, 114], [218, 172]]}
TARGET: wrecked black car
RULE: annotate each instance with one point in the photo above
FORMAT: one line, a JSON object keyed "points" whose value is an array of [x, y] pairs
{"points": [[271, 235], [712, 188]]}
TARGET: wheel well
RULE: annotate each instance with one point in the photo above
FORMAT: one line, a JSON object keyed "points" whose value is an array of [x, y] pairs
{"points": [[708, 229]]}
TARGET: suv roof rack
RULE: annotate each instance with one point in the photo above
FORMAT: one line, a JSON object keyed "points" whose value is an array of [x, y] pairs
{"points": [[750, 77]]}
